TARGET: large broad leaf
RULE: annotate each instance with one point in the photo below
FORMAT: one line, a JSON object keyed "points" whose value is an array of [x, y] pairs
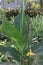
{"points": [[13, 33], [19, 21]]}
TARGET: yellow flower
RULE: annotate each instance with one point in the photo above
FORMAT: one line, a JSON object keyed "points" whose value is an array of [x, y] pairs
{"points": [[30, 53]]}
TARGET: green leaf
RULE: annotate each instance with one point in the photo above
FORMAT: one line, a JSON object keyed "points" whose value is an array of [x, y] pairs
{"points": [[19, 21], [13, 33]]}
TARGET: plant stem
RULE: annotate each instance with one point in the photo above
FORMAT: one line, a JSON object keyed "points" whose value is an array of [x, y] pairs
{"points": [[21, 24]]}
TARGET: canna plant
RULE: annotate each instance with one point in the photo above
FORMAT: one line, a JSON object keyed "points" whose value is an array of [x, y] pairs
{"points": [[20, 33], [21, 41]]}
